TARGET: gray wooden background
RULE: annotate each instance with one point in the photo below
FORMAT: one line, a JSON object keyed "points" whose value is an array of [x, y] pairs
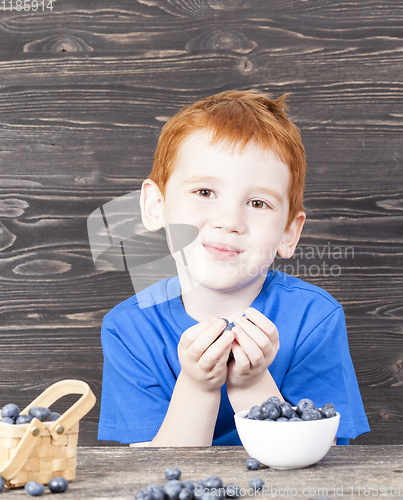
{"points": [[84, 91]]}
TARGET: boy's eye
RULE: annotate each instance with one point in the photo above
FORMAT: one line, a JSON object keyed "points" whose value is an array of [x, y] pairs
{"points": [[206, 193], [258, 204]]}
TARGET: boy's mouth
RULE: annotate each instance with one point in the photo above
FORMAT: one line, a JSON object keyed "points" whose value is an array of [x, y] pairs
{"points": [[223, 252]]}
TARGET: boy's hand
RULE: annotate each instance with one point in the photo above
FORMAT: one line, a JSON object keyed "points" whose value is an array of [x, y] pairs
{"points": [[203, 361], [255, 347]]}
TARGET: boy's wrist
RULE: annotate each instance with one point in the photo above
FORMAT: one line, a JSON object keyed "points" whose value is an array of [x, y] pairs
{"points": [[243, 398], [188, 384]]}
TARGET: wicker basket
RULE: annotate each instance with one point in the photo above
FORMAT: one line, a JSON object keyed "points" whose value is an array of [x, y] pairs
{"points": [[38, 451]]}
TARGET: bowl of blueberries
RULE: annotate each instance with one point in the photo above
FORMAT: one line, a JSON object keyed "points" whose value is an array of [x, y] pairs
{"points": [[283, 436]]}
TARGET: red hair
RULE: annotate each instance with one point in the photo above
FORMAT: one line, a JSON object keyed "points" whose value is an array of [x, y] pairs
{"points": [[237, 118]]}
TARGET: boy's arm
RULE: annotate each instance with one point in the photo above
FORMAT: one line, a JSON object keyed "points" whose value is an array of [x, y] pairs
{"points": [[192, 412], [191, 416]]}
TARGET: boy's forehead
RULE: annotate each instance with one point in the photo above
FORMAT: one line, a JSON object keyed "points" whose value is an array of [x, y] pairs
{"points": [[205, 142]]}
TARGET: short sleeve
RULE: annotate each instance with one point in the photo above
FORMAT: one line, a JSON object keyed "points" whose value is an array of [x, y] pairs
{"points": [[133, 404], [322, 370]]}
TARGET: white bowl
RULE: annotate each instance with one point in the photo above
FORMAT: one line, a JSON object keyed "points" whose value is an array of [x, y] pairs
{"points": [[286, 445]]}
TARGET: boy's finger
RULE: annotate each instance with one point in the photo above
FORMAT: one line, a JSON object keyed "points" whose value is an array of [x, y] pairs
{"points": [[217, 351], [259, 319], [250, 347], [206, 338], [241, 359], [191, 334]]}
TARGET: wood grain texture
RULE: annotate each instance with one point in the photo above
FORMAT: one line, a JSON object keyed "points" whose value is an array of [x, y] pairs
{"points": [[122, 472], [84, 92]]}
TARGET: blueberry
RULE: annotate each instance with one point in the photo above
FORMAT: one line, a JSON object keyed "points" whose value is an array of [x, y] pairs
{"points": [[187, 483], [303, 405], [34, 489], [42, 414], [286, 410], [1, 484], [143, 495], [24, 419], [295, 419], [173, 473], [311, 414], [58, 484], [282, 419], [172, 489], [232, 491], [269, 411], [199, 488], [228, 326], [11, 411], [256, 483], [185, 494], [213, 482], [252, 464], [213, 494], [8, 420], [273, 400], [54, 416], [255, 413], [328, 411], [156, 492]]}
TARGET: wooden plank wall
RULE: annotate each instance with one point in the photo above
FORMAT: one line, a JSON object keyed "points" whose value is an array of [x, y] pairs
{"points": [[84, 91]]}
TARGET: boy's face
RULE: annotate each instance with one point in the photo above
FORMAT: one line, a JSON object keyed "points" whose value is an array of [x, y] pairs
{"points": [[238, 202]]}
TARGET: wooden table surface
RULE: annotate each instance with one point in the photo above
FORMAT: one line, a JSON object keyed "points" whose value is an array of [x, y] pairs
{"points": [[119, 472]]}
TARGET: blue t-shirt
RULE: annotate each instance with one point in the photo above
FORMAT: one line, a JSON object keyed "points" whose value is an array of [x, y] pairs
{"points": [[141, 362]]}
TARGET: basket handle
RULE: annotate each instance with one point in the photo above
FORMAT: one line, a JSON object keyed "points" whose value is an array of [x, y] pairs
{"points": [[22, 451], [71, 416]]}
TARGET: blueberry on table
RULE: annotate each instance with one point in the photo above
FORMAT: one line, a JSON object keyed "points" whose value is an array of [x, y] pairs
{"points": [[34, 489], [172, 489], [187, 483], [8, 420], [143, 495], [256, 483], [185, 494], [156, 492], [213, 482], [252, 464], [311, 414], [172, 473], [41, 413], [24, 419], [58, 484], [303, 405], [232, 491], [10, 410], [199, 488]]}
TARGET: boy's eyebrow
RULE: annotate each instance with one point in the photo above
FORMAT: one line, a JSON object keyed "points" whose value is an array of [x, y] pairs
{"points": [[200, 178], [270, 192]]}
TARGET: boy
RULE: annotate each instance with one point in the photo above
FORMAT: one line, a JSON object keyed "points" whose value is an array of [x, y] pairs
{"points": [[232, 165]]}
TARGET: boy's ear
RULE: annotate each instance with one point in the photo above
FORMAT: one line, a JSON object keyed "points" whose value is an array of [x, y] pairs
{"points": [[291, 236], [151, 203]]}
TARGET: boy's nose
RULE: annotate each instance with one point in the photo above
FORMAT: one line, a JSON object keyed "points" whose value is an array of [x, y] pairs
{"points": [[228, 217]]}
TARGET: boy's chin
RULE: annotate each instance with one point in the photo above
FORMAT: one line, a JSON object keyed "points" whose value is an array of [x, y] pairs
{"points": [[219, 284]]}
